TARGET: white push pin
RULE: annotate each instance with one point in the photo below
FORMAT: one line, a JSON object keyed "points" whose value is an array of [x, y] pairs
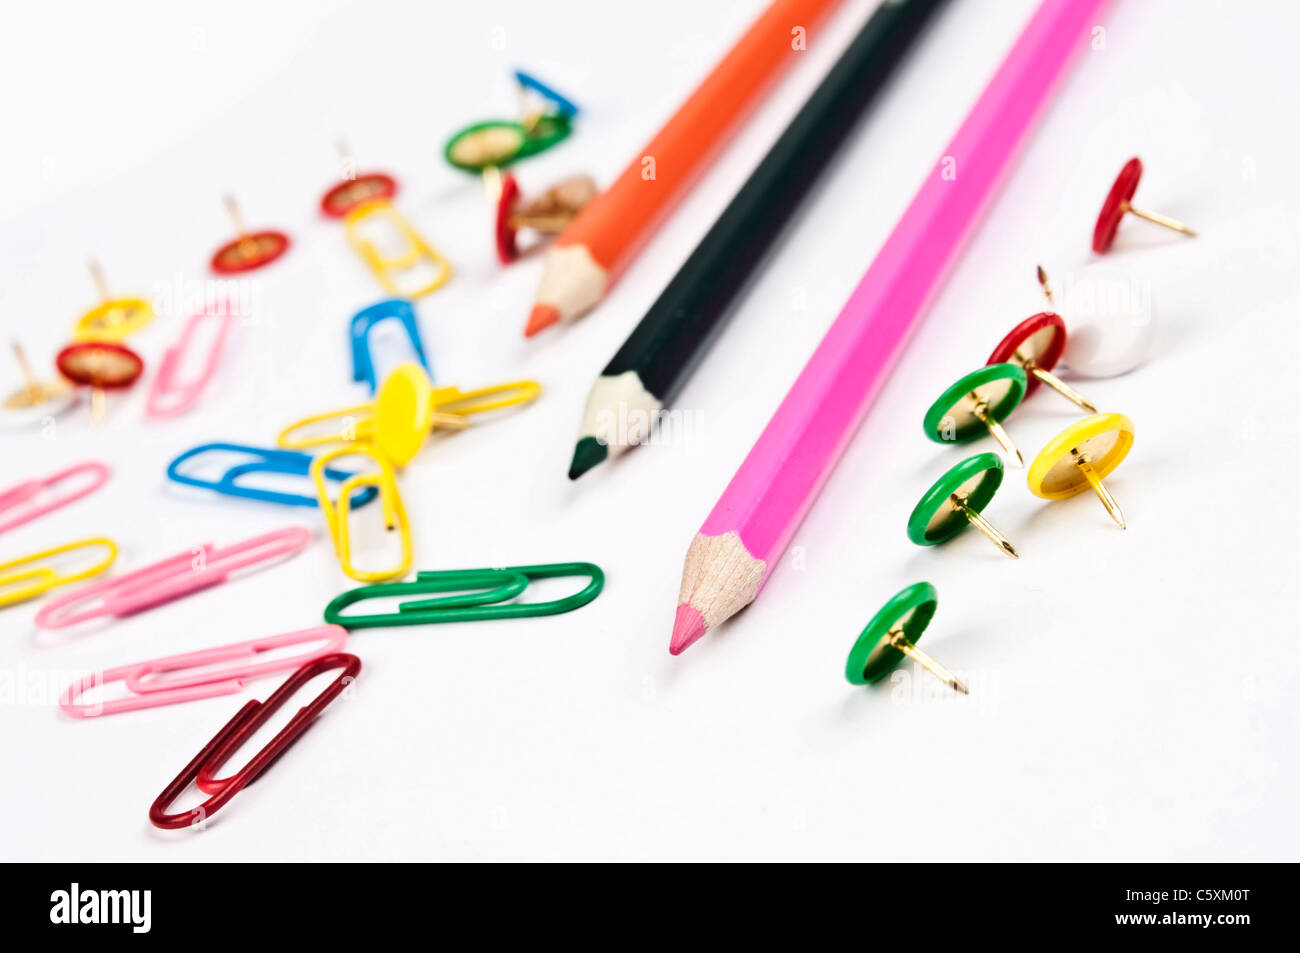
{"points": [[1110, 318]]}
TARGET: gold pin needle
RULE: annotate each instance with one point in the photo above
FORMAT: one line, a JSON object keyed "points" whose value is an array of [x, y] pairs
{"points": [[995, 428], [1060, 386], [1085, 467], [984, 526], [900, 641], [1158, 219], [1047, 288]]}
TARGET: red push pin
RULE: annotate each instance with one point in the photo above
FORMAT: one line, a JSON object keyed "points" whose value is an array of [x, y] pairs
{"points": [[249, 250], [548, 214], [1036, 344], [101, 366], [351, 194], [1117, 205]]}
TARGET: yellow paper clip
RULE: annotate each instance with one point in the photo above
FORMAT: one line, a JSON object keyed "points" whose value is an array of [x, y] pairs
{"points": [[112, 319], [337, 514], [417, 250], [405, 409], [41, 579]]}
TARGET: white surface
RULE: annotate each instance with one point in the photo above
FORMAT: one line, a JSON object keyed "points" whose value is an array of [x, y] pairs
{"points": [[1132, 694]]}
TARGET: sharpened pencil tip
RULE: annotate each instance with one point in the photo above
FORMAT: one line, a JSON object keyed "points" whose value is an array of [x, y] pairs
{"points": [[541, 318], [588, 453], [688, 626]]}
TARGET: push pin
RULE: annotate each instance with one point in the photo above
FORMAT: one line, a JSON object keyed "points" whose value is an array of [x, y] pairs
{"points": [[101, 366], [1111, 320], [892, 634], [1079, 457], [360, 198], [37, 397], [1036, 344], [1117, 204], [956, 501], [545, 120], [548, 214], [249, 250], [112, 319], [978, 402]]}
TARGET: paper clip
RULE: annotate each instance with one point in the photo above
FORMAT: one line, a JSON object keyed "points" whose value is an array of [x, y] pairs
{"points": [[367, 196], [404, 411], [238, 730], [545, 120], [41, 492], [263, 460], [42, 579], [194, 570], [396, 309], [167, 398], [336, 514], [494, 587], [148, 692], [111, 319]]}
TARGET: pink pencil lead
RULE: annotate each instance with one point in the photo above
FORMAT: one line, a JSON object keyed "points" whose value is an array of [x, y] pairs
{"points": [[688, 626]]}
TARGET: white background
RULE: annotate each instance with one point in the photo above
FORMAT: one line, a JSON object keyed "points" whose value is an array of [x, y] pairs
{"points": [[1132, 694]]}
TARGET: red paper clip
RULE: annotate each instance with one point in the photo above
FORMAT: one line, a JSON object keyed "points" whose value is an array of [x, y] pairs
{"points": [[32, 490], [237, 731], [180, 575]]}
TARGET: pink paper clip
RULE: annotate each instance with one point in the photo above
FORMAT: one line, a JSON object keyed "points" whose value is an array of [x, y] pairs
{"points": [[199, 568], [146, 692], [35, 491], [167, 398]]}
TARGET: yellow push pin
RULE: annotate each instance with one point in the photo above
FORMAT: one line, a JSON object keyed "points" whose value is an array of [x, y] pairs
{"points": [[112, 319], [1079, 457], [51, 396]]}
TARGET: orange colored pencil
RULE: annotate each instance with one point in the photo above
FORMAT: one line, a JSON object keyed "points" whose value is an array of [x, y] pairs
{"points": [[600, 243]]}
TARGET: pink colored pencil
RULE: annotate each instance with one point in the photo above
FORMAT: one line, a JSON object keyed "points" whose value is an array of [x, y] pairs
{"points": [[731, 557]]}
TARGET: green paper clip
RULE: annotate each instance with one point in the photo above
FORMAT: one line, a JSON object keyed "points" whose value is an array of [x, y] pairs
{"points": [[492, 588]]}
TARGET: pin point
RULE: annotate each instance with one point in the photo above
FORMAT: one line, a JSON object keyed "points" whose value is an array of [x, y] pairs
{"points": [[1036, 344], [112, 319], [548, 214], [1079, 457], [249, 250], [1111, 318], [978, 402], [101, 366], [891, 636], [1118, 204], [956, 501], [37, 398], [545, 120]]}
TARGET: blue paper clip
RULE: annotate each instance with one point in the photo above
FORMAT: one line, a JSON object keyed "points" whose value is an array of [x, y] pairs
{"points": [[363, 368], [563, 104], [265, 460]]}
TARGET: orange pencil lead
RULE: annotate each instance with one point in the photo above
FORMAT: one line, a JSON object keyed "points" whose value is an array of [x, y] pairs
{"points": [[541, 318]]}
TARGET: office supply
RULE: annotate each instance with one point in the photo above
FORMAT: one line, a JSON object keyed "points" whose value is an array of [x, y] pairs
{"points": [[35, 400], [546, 119], [1079, 457], [978, 402], [1111, 319], [1036, 345], [260, 460], [891, 636], [167, 395], [146, 688], [29, 583], [549, 214], [239, 730], [481, 594], [754, 520], [402, 414], [397, 310], [657, 359], [601, 242], [364, 201], [198, 568], [1118, 204], [336, 514], [957, 500], [113, 318], [101, 366], [249, 250], [44, 494]]}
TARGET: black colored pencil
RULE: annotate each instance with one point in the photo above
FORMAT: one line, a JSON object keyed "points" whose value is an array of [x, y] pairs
{"points": [[657, 358]]}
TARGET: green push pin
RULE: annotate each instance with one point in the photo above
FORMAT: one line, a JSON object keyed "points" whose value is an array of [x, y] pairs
{"points": [[956, 501], [891, 636], [978, 402]]}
